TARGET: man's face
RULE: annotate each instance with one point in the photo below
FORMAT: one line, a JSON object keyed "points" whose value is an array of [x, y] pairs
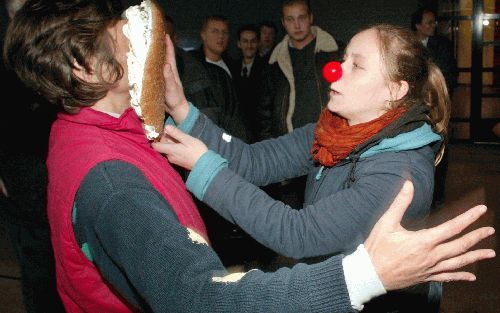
{"points": [[215, 37], [427, 27], [248, 43], [297, 21], [267, 36]]}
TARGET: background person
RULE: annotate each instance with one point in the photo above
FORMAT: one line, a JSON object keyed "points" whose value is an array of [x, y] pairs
{"points": [[423, 23], [247, 77], [267, 32], [294, 92]]}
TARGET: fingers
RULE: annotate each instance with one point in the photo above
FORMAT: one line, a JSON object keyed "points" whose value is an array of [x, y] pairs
{"points": [[392, 217], [463, 260], [456, 225], [454, 276], [174, 133], [463, 244], [162, 147]]}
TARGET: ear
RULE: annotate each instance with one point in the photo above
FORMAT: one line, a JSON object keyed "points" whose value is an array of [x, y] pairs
{"points": [[398, 90], [283, 22], [238, 43], [80, 72], [311, 17]]}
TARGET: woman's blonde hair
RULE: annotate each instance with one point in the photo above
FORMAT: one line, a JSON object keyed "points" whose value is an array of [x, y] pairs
{"points": [[406, 59]]}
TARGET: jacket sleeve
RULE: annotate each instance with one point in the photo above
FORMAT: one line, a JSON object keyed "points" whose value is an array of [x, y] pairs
{"points": [[262, 163], [135, 234], [333, 224]]}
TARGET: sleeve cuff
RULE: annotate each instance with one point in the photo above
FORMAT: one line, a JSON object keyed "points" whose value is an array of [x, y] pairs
{"points": [[203, 172], [361, 278], [187, 124]]}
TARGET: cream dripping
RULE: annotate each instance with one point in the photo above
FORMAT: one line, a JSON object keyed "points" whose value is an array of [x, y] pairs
{"points": [[138, 30]]}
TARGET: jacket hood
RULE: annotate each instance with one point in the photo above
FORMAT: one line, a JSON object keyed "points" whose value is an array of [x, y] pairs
{"points": [[414, 139], [410, 131]]}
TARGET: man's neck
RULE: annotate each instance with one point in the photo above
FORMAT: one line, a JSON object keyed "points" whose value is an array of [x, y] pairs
{"points": [[421, 36], [212, 56], [301, 44], [248, 60], [264, 50], [113, 105]]}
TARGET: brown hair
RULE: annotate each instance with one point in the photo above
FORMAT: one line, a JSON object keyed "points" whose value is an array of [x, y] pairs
{"points": [[48, 39], [210, 18], [406, 59], [289, 3]]}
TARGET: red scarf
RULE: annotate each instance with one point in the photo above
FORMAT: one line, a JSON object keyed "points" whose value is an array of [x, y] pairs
{"points": [[334, 139]]}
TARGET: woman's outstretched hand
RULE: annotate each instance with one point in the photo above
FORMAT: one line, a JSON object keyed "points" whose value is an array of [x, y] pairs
{"points": [[180, 148], [175, 100], [403, 258]]}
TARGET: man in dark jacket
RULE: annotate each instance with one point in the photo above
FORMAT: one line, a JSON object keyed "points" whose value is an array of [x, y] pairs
{"points": [[423, 23], [294, 92], [215, 37], [267, 32], [247, 77]]}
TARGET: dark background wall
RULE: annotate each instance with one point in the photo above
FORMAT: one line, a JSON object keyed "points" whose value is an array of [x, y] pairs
{"points": [[342, 18]]}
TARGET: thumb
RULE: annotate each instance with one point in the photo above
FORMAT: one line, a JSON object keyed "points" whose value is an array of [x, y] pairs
{"points": [[170, 52], [170, 69], [175, 133], [393, 216]]}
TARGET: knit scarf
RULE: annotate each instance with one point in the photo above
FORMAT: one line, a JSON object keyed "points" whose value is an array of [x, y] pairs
{"points": [[334, 139]]}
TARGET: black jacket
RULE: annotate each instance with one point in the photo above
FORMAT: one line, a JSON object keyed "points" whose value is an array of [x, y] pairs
{"points": [[249, 92], [223, 106]]}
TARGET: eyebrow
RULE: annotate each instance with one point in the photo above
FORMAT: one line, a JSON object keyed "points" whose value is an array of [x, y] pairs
{"points": [[293, 16], [358, 56], [354, 55]]}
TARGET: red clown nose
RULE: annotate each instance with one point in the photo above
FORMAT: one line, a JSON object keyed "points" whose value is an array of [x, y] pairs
{"points": [[332, 71]]}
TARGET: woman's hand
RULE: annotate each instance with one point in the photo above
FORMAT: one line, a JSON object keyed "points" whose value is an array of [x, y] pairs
{"points": [[175, 100], [180, 148], [402, 258]]}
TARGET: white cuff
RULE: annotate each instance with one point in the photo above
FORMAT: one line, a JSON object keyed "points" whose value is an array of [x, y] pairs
{"points": [[363, 283]]}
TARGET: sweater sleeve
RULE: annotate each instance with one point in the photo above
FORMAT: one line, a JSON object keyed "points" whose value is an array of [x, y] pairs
{"points": [[262, 163], [139, 247], [335, 223]]}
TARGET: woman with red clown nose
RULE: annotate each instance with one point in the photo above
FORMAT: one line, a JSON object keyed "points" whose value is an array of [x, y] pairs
{"points": [[385, 123]]}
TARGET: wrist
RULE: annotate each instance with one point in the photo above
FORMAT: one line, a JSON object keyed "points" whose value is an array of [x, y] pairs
{"points": [[361, 278], [180, 111]]}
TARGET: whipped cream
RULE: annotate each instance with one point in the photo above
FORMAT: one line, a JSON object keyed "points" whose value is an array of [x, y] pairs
{"points": [[138, 30]]}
